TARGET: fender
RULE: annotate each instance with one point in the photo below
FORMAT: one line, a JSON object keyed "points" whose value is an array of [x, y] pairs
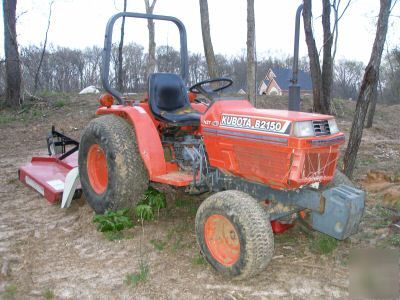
{"points": [[147, 136]]}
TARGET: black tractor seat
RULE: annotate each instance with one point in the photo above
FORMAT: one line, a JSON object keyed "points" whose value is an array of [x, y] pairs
{"points": [[169, 101]]}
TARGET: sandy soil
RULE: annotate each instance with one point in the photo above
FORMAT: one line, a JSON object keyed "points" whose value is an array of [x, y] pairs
{"points": [[46, 251]]}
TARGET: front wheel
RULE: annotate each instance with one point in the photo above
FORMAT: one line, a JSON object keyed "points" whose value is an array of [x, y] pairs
{"points": [[234, 234]]}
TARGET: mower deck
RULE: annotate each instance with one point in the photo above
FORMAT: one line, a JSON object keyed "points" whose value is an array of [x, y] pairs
{"points": [[47, 175]]}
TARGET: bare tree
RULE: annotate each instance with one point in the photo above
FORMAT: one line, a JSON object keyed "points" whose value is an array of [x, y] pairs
{"points": [[197, 68], [43, 50], [327, 60], [13, 68], [389, 75], [322, 77], [315, 68], [251, 68], [152, 44], [348, 77], [368, 89], [120, 80], [372, 106], [168, 59], [208, 47]]}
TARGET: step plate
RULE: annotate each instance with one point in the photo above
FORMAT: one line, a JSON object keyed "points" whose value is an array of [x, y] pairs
{"points": [[175, 178]]}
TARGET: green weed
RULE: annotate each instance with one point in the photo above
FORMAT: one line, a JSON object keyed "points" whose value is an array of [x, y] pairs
{"points": [[385, 217], [193, 209], [9, 292], [178, 243], [382, 224], [155, 199], [179, 229], [48, 294], [189, 205], [383, 212], [114, 235], [12, 180], [181, 203], [199, 260], [59, 103], [158, 244], [323, 244], [368, 160], [144, 212], [152, 201], [286, 238], [367, 235], [397, 173], [53, 94], [133, 279], [112, 223], [394, 240], [5, 119]]}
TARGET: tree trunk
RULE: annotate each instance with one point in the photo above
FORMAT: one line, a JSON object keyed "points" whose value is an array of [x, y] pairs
{"points": [[208, 47], [151, 66], [13, 68], [367, 90], [315, 69], [372, 107], [120, 80], [251, 69], [327, 64]]}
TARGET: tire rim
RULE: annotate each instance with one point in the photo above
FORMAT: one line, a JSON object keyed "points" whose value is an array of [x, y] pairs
{"points": [[222, 240], [97, 168]]}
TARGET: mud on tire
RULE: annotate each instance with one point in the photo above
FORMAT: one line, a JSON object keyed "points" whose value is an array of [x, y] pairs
{"points": [[245, 226], [122, 182]]}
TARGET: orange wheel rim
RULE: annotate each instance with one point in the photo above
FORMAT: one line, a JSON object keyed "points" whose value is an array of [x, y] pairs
{"points": [[222, 240], [97, 168]]}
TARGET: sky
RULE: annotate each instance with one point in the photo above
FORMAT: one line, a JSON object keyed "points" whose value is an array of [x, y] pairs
{"points": [[81, 23]]}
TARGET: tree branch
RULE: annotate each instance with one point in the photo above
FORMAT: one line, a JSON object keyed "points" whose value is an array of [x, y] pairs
{"points": [[44, 48]]}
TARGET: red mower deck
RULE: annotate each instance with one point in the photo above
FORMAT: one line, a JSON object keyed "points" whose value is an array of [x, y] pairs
{"points": [[46, 174]]}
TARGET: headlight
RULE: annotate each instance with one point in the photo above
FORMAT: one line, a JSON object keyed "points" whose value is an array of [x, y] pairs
{"points": [[333, 126], [303, 129]]}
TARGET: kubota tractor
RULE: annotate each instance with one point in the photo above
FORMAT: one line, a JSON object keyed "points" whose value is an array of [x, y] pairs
{"points": [[265, 166]]}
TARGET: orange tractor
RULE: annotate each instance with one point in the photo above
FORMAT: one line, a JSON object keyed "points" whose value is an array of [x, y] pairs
{"points": [[265, 166]]}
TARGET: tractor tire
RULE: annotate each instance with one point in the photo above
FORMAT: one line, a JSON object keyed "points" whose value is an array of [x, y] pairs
{"points": [[111, 170], [234, 234]]}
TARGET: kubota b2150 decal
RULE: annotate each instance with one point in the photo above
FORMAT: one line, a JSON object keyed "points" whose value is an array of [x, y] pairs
{"points": [[255, 124]]}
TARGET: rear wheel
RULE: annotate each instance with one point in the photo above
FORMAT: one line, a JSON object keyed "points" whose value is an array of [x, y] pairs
{"points": [[111, 169], [234, 234]]}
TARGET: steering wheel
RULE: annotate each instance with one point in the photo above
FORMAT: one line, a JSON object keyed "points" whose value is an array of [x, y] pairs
{"points": [[198, 88]]}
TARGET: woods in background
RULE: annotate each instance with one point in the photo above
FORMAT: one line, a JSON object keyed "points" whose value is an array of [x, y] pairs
{"points": [[70, 70]]}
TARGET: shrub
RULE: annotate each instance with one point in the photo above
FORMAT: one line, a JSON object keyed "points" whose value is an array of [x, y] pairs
{"points": [[152, 200], [134, 279], [113, 222]]}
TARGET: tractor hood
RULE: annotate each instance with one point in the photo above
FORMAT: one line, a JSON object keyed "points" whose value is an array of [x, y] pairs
{"points": [[245, 108], [241, 115], [280, 148]]}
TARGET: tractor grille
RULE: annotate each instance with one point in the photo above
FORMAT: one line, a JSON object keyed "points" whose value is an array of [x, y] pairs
{"points": [[321, 127], [266, 164], [318, 165]]}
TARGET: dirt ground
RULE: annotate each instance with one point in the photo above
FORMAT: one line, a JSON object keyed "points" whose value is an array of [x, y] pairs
{"points": [[47, 252]]}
